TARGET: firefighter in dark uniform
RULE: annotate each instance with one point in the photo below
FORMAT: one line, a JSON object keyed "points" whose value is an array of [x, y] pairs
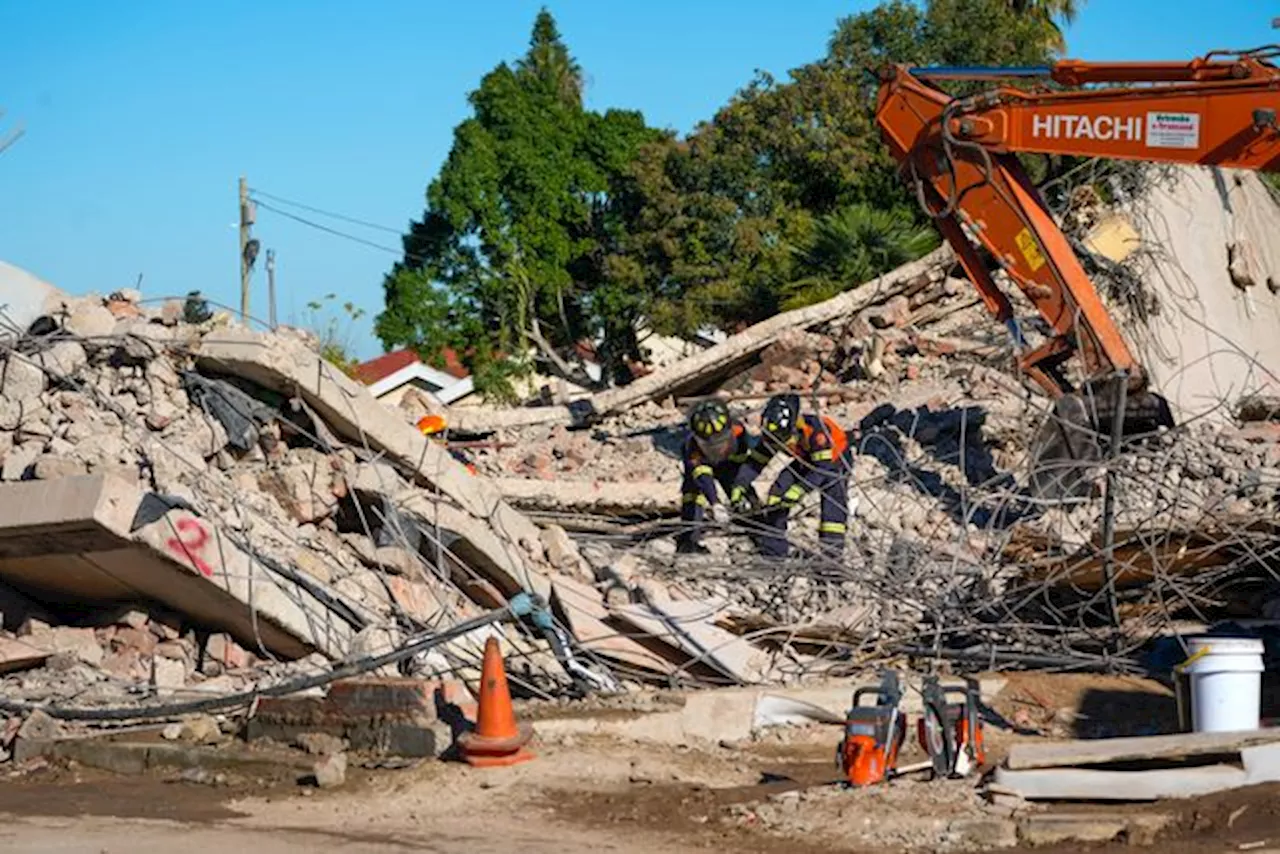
{"points": [[716, 448], [822, 459]]}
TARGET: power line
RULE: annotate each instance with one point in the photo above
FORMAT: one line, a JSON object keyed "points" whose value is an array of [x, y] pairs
{"points": [[338, 233], [323, 212]]}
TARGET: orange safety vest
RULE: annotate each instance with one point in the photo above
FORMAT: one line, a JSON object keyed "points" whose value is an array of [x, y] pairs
{"points": [[821, 444]]}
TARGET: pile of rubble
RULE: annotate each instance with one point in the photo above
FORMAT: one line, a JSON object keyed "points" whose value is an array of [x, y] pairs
{"points": [[197, 510], [194, 509]]}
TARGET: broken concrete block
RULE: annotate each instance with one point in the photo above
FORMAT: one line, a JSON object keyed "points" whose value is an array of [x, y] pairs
{"points": [[39, 726], [331, 771], [562, 552], [167, 675], [82, 643], [19, 459], [143, 551], [200, 729], [63, 359], [53, 467], [224, 650], [20, 379], [16, 655], [320, 743], [686, 625], [393, 716], [89, 318], [500, 539], [1050, 829]]}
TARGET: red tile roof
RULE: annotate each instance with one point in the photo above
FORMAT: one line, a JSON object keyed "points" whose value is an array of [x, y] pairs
{"points": [[387, 364]]}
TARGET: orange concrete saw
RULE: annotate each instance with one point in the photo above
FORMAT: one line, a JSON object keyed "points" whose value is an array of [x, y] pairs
{"points": [[873, 734], [951, 732]]}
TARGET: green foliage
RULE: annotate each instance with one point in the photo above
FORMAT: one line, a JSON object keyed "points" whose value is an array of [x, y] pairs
{"points": [[511, 251], [853, 245], [549, 224], [334, 334]]}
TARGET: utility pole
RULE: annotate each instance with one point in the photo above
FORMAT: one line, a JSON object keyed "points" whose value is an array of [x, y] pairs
{"points": [[271, 288], [246, 222]]}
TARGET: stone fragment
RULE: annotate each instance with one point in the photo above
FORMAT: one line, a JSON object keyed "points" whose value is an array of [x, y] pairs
{"points": [[39, 726], [89, 318], [20, 380], [53, 466], [331, 771], [134, 619], [19, 460], [561, 551], [82, 643], [320, 743], [167, 675], [63, 359], [201, 729], [227, 652]]}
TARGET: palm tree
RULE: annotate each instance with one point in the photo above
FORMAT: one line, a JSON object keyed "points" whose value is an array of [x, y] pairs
{"points": [[1049, 12], [854, 245]]}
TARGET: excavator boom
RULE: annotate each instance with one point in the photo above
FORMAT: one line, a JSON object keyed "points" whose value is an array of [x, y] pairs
{"points": [[960, 155]]}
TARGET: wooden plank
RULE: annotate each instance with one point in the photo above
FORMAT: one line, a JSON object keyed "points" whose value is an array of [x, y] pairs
{"points": [[1108, 750]]}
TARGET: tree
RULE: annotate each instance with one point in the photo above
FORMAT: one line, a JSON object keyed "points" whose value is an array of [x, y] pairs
{"points": [[856, 244], [787, 195], [510, 254], [1048, 13]]}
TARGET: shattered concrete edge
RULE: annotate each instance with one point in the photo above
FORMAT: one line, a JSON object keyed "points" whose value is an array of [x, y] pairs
{"points": [[289, 367], [722, 359], [96, 538]]}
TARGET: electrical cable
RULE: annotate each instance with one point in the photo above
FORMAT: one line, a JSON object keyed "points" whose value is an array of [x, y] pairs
{"points": [[354, 221], [291, 686]]}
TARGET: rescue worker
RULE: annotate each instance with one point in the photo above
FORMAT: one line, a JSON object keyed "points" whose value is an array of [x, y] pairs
{"points": [[716, 448], [821, 459]]}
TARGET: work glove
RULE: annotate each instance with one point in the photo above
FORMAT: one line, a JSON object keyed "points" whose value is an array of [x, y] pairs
{"points": [[720, 513], [742, 499]]}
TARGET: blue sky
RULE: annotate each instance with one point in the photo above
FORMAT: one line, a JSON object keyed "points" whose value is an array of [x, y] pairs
{"points": [[140, 115]]}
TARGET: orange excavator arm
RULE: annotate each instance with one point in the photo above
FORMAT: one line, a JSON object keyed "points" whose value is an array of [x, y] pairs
{"points": [[960, 155]]}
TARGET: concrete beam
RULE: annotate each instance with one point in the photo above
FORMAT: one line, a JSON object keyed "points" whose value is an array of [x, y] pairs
{"points": [[287, 366], [97, 539], [693, 374], [590, 496]]}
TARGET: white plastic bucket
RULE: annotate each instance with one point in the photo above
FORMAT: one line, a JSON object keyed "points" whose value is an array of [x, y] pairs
{"points": [[1226, 683]]}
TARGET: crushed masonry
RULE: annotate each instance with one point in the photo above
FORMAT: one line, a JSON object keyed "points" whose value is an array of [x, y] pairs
{"points": [[195, 511]]}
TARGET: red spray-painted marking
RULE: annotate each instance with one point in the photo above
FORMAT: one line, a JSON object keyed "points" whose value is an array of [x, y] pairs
{"points": [[191, 547]]}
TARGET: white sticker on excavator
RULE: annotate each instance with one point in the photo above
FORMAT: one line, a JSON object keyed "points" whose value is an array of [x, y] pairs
{"points": [[1173, 130]]}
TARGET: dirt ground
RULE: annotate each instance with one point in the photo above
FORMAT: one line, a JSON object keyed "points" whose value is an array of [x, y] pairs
{"points": [[587, 794]]}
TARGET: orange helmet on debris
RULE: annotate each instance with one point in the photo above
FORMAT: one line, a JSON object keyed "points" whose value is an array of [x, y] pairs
{"points": [[430, 424]]}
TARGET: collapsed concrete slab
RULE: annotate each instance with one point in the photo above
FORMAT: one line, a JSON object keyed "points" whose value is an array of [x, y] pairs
{"points": [[1260, 764], [704, 369], [501, 537], [1214, 270], [93, 539], [24, 298]]}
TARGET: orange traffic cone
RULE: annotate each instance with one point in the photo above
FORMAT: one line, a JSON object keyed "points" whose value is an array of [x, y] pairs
{"points": [[497, 739]]}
